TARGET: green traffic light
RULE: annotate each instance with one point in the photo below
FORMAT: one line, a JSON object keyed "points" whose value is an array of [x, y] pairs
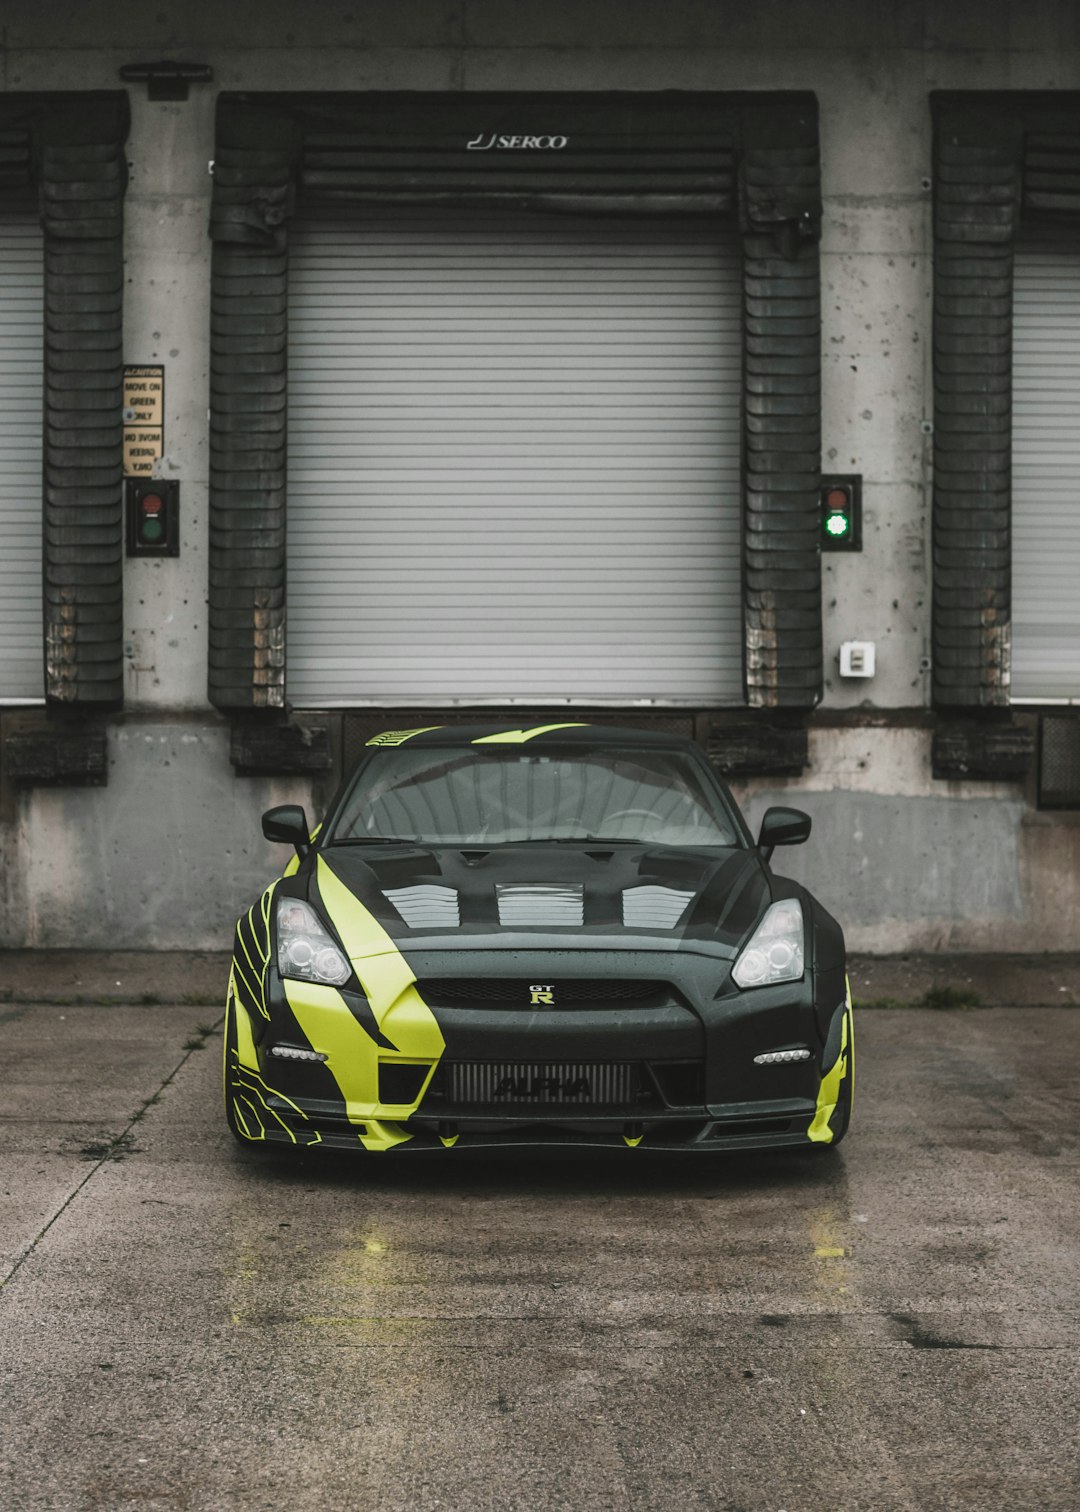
{"points": [[152, 529], [837, 525]]}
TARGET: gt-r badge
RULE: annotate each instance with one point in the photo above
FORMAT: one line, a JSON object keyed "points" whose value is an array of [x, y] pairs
{"points": [[539, 995]]}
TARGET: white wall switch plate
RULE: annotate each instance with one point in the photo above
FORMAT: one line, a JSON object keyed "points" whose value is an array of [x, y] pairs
{"points": [[857, 659]]}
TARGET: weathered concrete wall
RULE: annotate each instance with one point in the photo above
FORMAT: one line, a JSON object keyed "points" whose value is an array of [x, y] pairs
{"points": [[169, 853], [950, 867], [906, 863]]}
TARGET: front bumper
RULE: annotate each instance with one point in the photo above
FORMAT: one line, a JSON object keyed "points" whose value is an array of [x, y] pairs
{"points": [[690, 1082]]}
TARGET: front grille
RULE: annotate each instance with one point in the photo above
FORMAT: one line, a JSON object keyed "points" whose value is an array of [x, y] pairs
{"points": [[539, 1084], [505, 992]]}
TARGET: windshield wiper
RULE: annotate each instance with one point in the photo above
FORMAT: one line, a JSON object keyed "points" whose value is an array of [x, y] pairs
{"points": [[631, 840], [493, 844], [582, 840], [380, 840]]}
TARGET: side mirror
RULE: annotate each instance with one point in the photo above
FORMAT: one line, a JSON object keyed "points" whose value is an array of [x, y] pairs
{"points": [[288, 824], [782, 826]]}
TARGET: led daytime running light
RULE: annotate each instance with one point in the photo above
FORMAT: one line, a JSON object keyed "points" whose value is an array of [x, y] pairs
{"points": [[293, 1052], [778, 1057]]}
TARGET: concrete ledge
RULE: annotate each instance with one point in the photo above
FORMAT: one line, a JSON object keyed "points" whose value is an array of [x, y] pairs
{"points": [[967, 751], [280, 749], [56, 757], [115, 976], [985, 981], [756, 749]]}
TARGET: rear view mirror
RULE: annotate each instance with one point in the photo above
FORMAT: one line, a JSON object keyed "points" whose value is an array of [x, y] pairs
{"points": [[287, 824], [782, 826]]}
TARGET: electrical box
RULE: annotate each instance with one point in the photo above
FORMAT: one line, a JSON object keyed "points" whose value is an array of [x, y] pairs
{"points": [[857, 659], [153, 517]]}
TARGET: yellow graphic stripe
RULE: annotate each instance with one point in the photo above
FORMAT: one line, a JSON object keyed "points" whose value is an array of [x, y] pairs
{"points": [[245, 1088], [256, 992], [352, 1056], [245, 1043], [243, 1071], [251, 954], [515, 737], [383, 1136], [831, 1083], [242, 1121], [239, 1078], [350, 1052], [240, 980], [230, 999], [384, 973], [398, 737], [294, 865]]}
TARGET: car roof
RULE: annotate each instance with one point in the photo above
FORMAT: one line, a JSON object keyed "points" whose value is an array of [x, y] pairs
{"points": [[560, 733]]}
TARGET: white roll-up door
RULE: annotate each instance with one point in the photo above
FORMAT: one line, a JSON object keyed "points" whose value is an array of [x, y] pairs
{"points": [[514, 458], [21, 366], [1046, 466]]}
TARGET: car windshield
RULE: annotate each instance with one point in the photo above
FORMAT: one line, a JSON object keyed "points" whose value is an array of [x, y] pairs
{"points": [[501, 796]]}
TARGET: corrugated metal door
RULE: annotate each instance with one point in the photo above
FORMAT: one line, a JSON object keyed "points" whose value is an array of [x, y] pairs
{"points": [[514, 458], [1046, 466], [21, 365]]}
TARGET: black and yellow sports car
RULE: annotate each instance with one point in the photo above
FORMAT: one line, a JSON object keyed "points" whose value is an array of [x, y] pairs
{"points": [[560, 935]]}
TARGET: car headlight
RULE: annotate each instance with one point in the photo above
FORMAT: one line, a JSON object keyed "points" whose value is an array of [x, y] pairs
{"points": [[305, 950], [774, 952]]}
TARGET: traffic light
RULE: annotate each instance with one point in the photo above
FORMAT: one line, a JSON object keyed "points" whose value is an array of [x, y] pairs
{"points": [[153, 517], [841, 512]]}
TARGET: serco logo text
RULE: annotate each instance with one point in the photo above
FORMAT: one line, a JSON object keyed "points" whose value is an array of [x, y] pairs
{"points": [[486, 141]]}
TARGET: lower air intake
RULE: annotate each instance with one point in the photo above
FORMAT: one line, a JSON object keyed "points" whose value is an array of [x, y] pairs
{"points": [[517, 1084]]}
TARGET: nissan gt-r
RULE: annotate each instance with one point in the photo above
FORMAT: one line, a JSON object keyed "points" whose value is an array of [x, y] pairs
{"points": [[558, 935]]}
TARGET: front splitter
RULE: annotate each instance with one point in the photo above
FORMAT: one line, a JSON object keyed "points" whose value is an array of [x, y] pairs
{"points": [[696, 1138]]}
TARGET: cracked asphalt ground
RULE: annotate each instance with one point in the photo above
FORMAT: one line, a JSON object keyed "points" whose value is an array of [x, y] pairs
{"points": [[185, 1324]]}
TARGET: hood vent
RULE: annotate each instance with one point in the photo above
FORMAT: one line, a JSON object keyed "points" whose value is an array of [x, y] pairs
{"points": [[544, 903], [426, 906], [654, 907]]}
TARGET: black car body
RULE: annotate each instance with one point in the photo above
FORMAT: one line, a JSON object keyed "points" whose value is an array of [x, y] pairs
{"points": [[393, 991]]}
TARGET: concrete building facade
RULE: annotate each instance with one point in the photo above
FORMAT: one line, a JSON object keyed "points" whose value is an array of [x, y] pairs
{"points": [[946, 807]]}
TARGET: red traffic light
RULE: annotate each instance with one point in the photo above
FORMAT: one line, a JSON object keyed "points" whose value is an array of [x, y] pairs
{"points": [[151, 504]]}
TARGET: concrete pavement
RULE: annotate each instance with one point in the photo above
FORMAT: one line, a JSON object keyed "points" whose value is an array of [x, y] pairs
{"points": [[189, 1325]]}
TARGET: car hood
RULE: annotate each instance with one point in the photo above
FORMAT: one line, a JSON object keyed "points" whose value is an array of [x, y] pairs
{"points": [[555, 895]]}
